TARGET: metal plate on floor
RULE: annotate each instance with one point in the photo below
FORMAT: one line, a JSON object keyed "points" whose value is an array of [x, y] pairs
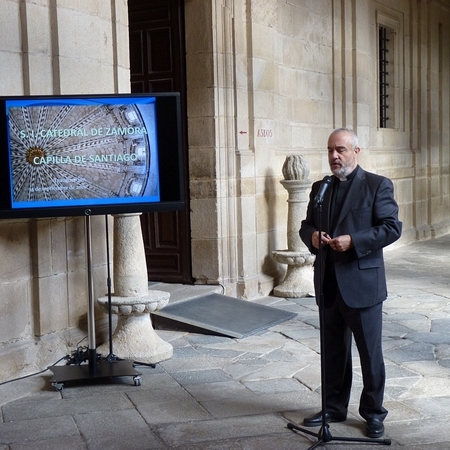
{"points": [[227, 316]]}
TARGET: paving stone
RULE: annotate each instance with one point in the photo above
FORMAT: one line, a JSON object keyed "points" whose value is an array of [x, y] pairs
{"points": [[159, 396], [431, 337], [430, 387], [282, 441], [248, 406], [445, 363], [280, 355], [173, 412], [206, 339], [20, 431], [301, 334], [233, 427], [185, 352], [261, 404], [167, 405], [187, 364], [66, 443], [219, 353], [401, 410], [201, 376], [441, 326], [408, 433], [239, 370], [395, 329], [116, 430], [411, 352], [251, 358], [213, 391], [14, 411], [275, 370], [430, 407], [398, 372], [276, 385], [427, 369]]}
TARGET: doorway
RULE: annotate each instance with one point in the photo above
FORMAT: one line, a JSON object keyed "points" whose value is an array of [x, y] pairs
{"points": [[157, 63]]}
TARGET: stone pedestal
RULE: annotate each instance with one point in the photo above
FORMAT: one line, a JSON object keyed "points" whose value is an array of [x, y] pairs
{"points": [[134, 337], [299, 278], [298, 281]]}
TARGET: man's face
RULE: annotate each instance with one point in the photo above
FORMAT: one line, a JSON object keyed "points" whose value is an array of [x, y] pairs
{"points": [[341, 157]]}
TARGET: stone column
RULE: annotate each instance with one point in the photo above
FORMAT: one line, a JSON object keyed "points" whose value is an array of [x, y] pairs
{"points": [[134, 337], [298, 281]]}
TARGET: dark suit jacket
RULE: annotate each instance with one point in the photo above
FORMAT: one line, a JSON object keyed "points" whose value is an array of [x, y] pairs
{"points": [[369, 215]]}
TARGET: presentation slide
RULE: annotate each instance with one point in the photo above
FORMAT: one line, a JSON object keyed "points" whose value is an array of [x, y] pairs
{"points": [[94, 151]]}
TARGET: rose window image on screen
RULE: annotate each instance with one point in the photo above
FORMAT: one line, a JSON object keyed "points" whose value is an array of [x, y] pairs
{"points": [[80, 152]]}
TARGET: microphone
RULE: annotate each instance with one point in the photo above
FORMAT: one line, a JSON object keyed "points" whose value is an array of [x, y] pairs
{"points": [[318, 199]]}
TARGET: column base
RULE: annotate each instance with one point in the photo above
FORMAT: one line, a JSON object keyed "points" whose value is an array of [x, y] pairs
{"points": [[299, 279], [134, 337]]}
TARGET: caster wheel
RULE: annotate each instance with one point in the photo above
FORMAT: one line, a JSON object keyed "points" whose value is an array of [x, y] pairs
{"points": [[58, 386], [137, 381]]}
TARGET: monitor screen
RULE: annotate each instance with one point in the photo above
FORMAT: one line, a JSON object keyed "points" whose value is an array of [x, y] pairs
{"points": [[90, 154]]}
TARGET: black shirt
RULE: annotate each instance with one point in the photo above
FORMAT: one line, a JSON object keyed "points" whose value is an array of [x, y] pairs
{"points": [[340, 189]]}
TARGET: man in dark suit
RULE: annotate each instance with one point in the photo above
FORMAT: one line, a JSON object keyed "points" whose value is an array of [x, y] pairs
{"points": [[359, 217]]}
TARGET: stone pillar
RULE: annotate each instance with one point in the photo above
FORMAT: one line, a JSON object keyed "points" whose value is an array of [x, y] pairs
{"points": [[298, 281], [134, 337]]}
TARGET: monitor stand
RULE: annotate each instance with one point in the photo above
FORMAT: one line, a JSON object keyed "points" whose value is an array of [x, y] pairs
{"points": [[88, 366]]}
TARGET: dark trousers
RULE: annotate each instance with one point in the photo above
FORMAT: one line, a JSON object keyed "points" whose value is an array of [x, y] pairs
{"points": [[340, 322]]}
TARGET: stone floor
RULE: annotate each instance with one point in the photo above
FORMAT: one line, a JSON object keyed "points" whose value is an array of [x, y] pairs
{"points": [[219, 393]]}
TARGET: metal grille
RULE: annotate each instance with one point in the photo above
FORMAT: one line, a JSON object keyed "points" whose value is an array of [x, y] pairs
{"points": [[383, 55]]}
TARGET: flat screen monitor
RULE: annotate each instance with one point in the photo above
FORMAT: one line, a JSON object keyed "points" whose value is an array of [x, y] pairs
{"points": [[90, 154]]}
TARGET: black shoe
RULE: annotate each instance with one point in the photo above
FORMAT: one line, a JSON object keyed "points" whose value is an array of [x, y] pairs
{"points": [[316, 419], [374, 428]]}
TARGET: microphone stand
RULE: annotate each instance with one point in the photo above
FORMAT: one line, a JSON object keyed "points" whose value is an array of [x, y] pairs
{"points": [[324, 434]]}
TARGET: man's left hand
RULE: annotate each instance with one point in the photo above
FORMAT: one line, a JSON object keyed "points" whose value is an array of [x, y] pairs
{"points": [[341, 243]]}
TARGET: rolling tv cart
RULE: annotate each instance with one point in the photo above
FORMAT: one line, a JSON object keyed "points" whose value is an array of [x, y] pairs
{"points": [[85, 155], [96, 368]]}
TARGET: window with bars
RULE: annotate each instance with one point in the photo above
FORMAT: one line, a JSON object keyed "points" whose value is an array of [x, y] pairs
{"points": [[382, 76], [391, 99], [386, 77]]}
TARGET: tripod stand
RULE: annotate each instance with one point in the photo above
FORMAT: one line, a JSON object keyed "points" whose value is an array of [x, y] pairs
{"points": [[324, 434]]}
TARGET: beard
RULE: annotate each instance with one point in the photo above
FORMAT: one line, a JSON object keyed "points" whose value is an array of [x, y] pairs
{"points": [[344, 169]]}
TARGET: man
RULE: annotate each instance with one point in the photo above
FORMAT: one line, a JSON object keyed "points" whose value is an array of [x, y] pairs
{"points": [[359, 217]]}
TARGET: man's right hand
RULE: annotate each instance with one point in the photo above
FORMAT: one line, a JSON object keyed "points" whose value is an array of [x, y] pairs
{"points": [[315, 238]]}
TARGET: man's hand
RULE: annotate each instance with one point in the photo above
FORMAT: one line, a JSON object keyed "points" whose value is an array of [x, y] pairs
{"points": [[315, 238], [341, 243]]}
